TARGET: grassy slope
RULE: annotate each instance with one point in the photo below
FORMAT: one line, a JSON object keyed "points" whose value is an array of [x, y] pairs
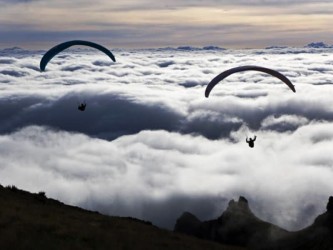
{"points": [[31, 221]]}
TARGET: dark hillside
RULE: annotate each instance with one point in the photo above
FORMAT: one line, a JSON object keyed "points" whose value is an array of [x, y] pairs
{"points": [[32, 221]]}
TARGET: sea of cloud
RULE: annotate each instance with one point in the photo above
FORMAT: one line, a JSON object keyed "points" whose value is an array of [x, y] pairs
{"points": [[151, 146]]}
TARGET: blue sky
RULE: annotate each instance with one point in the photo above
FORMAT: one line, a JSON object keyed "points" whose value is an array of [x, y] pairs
{"points": [[148, 23]]}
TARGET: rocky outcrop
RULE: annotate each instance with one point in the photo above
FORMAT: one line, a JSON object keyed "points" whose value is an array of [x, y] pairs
{"points": [[329, 206], [188, 224], [317, 236], [238, 226]]}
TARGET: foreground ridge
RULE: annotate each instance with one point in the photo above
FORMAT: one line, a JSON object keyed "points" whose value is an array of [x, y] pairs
{"points": [[33, 221]]}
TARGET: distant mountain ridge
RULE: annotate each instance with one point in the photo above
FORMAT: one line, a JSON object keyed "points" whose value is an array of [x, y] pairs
{"points": [[183, 48], [318, 45], [238, 226]]}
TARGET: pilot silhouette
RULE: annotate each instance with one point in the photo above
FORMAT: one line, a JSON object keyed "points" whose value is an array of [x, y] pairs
{"points": [[251, 141]]}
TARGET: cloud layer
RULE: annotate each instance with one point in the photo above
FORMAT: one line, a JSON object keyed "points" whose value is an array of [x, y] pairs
{"points": [[150, 145], [164, 89]]}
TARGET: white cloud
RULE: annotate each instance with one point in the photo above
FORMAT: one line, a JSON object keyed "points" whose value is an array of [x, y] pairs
{"points": [[283, 174], [158, 157], [285, 122]]}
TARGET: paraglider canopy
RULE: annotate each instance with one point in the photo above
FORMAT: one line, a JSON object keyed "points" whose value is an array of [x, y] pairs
{"points": [[60, 47], [228, 72]]}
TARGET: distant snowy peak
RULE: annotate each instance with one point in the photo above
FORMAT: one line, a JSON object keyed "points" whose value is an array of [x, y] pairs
{"points": [[318, 45], [13, 49], [17, 52], [276, 47], [211, 47], [314, 45], [191, 48]]}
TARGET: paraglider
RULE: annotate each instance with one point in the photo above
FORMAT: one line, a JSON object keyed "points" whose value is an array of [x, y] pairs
{"points": [[251, 141], [231, 71], [228, 72], [60, 47], [82, 107]]}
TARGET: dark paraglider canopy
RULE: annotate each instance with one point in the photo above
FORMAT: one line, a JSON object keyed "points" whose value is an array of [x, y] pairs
{"points": [[60, 47], [228, 72]]}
